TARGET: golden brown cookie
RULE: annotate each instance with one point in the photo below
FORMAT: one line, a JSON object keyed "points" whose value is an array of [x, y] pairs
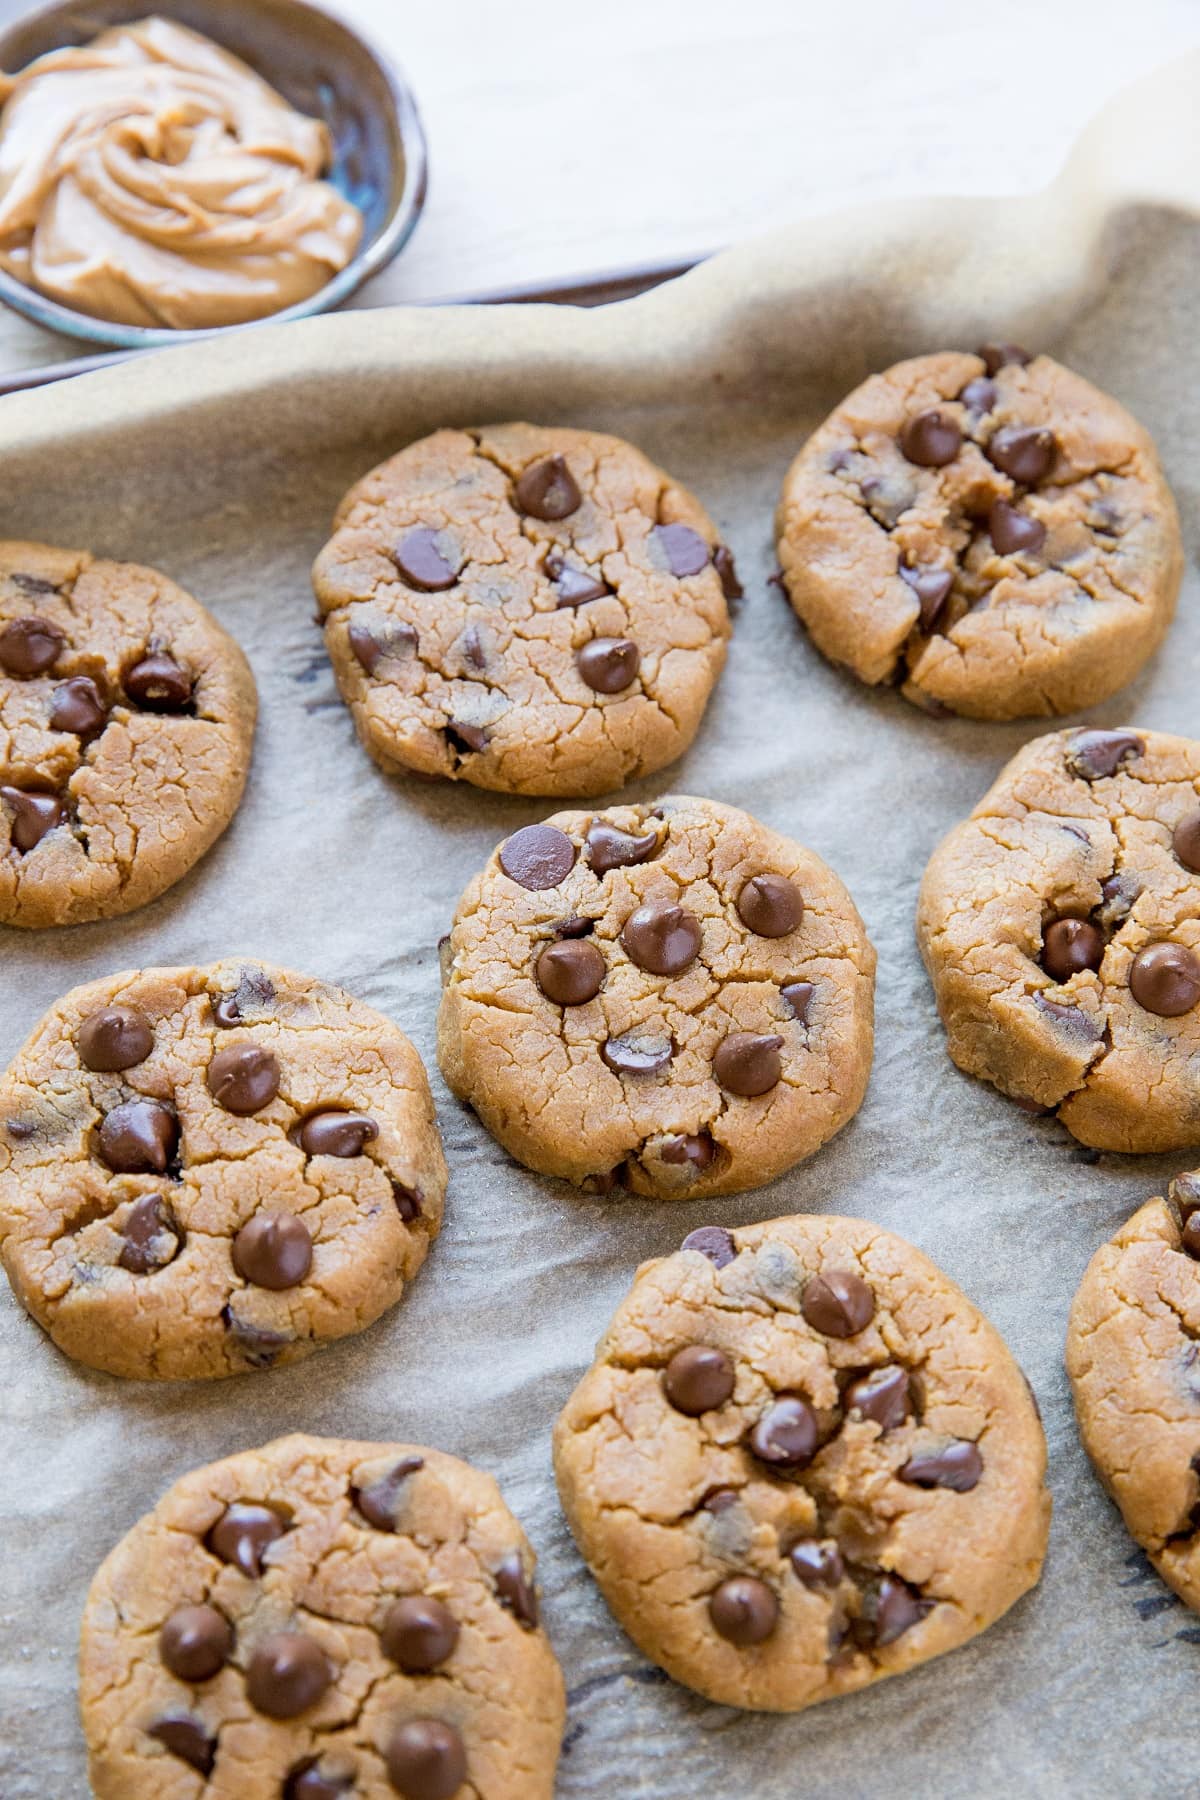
{"points": [[321, 1620], [126, 720], [206, 1171], [1060, 925], [992, 532], [1132, 1358], [670, 997], [531, 610], [802, 1461]]}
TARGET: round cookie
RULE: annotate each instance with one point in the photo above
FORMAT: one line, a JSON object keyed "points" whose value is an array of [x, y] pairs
{"points": [[1060, 925], [802, 1461], [126, 721], [535, 611], [670, 997], [205, 1171], [321, 1620], [1132, 1359], [991, 532]]}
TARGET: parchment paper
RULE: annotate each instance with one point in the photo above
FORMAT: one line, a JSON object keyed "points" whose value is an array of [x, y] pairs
{"points": [[222, 464]]}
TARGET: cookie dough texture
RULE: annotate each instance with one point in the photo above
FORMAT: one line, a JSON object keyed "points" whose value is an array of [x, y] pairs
{"points": [[438, 1529], [483, 678], [128, 714], [900, 1529], [1001, 617], [1080, 825], [629, 1086], [141, 1219], [1132, 1359]]}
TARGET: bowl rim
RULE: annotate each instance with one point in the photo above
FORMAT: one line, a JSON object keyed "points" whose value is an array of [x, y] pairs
{"points": [[368, 260]]}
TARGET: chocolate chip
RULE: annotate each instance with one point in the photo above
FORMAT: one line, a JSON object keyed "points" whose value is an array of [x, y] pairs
{"points": [[195, 1642], [185, 1738], [408, 1201], [798, 995], [979, 396], [33, 815], [548, 490], [1165, 979], [683, 550], [1092, 755], [723, 563], [538, 856], [243, 1078], [770, 905], [608, 665], [574, 926], [895, 1609], [956, 1465], [931, 439], [116, 1037], [515, 1590], [243, 1534], [418, 1633], [712, 1241], [1025, 453], [576, 587], [337, 1133], [838, 1303], [932, 586], [1185, 842], [881, 1396], [1190, 1235], [474, 651], [1071, 1018], [421, 562], [158, 683], [747, 1064], [1000, 356], [30, 646], [425, 1760], [373, 645], [254, 992], [316, 1779], [1069, 946], [287, 1673], [378, 1502], [570, 972], [1012, 531], [817, 1564], [718, 1500], [78, 706], [661, 937], [467, 739], [697, 1149], [258, 1345], [607, 848], [698, 1379], [786, 1434], [19, 1130], [744, 1610], [273, 1250], [152, 1238], [138, 1137]]}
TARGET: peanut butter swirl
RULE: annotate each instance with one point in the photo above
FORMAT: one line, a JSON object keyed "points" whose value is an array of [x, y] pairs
{"points": [[151, 178]]}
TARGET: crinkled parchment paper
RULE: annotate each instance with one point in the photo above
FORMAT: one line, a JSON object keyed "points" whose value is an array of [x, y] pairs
{"points": [[222, 465]]}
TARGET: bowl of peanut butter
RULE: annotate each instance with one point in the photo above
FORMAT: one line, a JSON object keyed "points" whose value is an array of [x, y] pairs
{"points": [[175, 169]]}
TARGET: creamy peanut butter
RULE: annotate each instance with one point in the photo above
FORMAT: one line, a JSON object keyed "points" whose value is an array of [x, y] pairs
{"points": [[151, 178]]}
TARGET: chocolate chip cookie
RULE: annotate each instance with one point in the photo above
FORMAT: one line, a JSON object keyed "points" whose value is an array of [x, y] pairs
{"points": [[126, 720], [321, 1620], [205, 1171], [991, 532], [535, 611], [802, 1461], [1060, 925], [1135, 1371], [669, 997]]}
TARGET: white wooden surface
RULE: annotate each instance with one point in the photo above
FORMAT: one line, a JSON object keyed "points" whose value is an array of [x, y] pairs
{"points": [[572, 137]]}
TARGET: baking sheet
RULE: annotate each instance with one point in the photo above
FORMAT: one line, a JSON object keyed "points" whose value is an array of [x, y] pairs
{"points": [[222, 464]]}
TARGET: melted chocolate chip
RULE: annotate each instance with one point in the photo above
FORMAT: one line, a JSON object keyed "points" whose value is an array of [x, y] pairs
{"points": [[273, 1250], [425, 1760], [467, 739], [374, 644], [957, 1465], [337, 1133], [515, 1590], [287, 1673], [1025, 453], [548, 490], [317, 1779], [243, 1534], [607, 848], [378, 1502], [608, 665], [29, 647], [881, 1396], [637, 1054], [747, 1063], [661, 937], [158, 683], [420, 560], [1185, 842], [712, 1241], [1092, 755], [895, 1609], [116, 1037], [931, 586], [697, 1149], [1000, 356], [798, 996], [744, 1610], [698, 1379], [185, 1738], [538, 856], [570, 972], [253, 993], [683, 550], [1014, 532], [770, 905], [816, 1564], [259, 1346], [243, 1078], [408, 1201], [1165, 979], [1069, 946], [33, 815], [1071, 1018], [786, 1434], [979, 396], [723, 563], [78, 706], [576, 587], [195, 1642], [152, 1238], [139, 1137], [838, 1303], [419, 1633], [1189, 1237], [931, 439]]}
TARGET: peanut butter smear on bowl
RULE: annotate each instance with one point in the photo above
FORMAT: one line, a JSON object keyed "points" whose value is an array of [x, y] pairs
{"points": [[151, 178]]}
